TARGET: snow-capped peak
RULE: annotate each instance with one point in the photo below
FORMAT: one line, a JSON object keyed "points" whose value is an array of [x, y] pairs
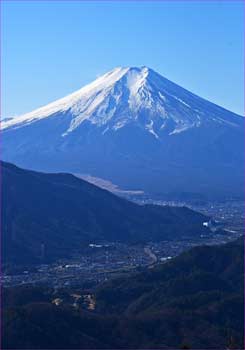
{"points": [[71, 100], [129, 95]]}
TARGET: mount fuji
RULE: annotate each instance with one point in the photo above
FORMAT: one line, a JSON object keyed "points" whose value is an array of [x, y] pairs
{"points": [[138, 130]]}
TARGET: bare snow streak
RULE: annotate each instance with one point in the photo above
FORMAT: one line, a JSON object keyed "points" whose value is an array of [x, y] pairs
{"points": [[149, 127]]}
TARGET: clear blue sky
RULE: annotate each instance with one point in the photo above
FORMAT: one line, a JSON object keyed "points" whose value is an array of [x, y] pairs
{"points": [[51, 48]]}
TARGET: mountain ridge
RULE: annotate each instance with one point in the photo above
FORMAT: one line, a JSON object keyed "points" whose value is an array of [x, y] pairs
{"points": [[51, 216]]}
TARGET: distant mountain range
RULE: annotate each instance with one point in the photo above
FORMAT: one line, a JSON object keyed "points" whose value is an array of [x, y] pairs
{"points": [[195, 301], [49, 216], [138, 130]]}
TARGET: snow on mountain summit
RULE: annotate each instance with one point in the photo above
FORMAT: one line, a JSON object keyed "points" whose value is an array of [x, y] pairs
{"points": [[138, 130], [130, 95]]}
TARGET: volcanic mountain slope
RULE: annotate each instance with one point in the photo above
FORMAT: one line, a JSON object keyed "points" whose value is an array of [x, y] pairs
{"points": [[137, 129], [47, 216]]}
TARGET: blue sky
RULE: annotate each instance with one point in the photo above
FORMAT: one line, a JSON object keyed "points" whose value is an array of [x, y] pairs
{"points": [[52, 48]]}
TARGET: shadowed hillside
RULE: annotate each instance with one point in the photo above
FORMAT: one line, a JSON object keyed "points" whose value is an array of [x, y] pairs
{"points": [[46, 216]]}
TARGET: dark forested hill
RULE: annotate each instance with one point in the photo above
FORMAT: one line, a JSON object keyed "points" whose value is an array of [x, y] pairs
{"points": [[203, 269], [45, 216], [195, 298], [194, 301]]}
